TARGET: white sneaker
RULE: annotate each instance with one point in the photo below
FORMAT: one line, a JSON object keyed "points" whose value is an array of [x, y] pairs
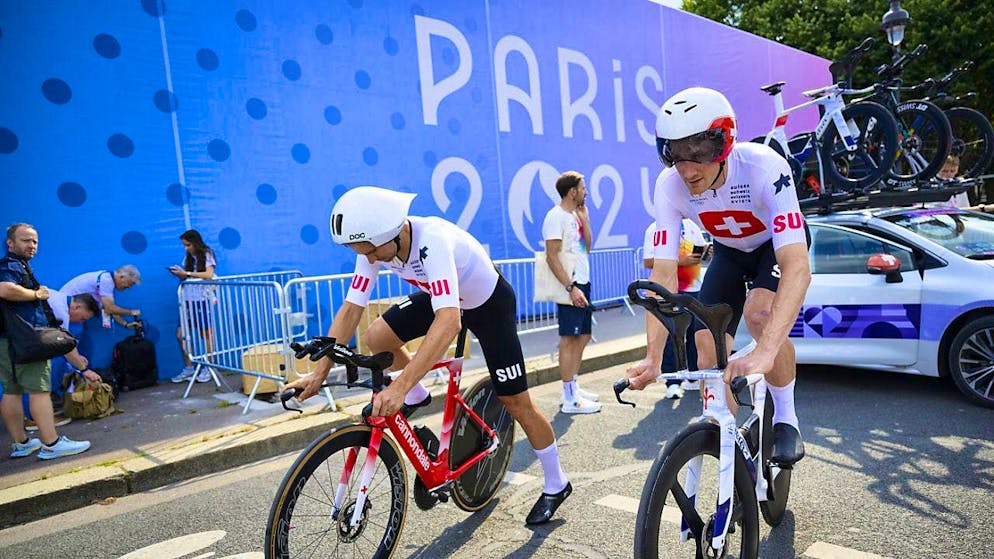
{"points": [[20, 450], [185, 375], [674, 392], [587, 395], [63, 447], [581, 405], [205, 375], [690, 385]]}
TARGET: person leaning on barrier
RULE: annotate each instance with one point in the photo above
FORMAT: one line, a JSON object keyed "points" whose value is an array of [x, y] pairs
{"points": [[743, 194], [198, 263], [33, 378], [566, 228], [101, 285], [458, 284]]}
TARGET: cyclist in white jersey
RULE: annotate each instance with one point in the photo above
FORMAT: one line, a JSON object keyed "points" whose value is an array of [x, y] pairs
{"points": [[743, 194], [458, 285]]}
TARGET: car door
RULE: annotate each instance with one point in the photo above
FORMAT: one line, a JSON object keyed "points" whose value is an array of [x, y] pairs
{"points": [[851, 317]]}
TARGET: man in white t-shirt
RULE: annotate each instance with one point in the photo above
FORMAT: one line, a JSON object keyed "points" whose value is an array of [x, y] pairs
{"points": [[566, 229], [693, 248], [101, 285], [74, 309]]}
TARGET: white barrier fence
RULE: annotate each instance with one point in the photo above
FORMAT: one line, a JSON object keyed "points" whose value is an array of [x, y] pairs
{"points": [[246, 323]]}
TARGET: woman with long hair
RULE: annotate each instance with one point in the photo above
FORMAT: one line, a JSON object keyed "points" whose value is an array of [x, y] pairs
{"points": [[198, 264]]}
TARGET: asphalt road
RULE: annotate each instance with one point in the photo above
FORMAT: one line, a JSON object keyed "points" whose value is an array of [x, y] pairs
{"points": [[897, 467]]}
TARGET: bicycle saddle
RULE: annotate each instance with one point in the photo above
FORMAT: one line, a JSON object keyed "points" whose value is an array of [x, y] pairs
{"points": [[773, 88]]}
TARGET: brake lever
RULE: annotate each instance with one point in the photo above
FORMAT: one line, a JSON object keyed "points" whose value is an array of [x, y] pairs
{"points": [[737, 385], [620, 386], [288, 395]]}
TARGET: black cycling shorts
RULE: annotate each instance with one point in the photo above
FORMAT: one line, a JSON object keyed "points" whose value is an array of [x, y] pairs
{"points": [[493, 323], [729, 272]]}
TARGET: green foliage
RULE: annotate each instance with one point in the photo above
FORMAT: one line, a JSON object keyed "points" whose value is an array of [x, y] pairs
{"points": [[954, 30]]}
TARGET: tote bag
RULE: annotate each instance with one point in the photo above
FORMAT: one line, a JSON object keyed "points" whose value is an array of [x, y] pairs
{"points": [[547, 286]]}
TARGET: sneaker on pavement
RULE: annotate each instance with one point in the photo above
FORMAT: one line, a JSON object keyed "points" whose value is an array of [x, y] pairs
{"points": [[690, 385], [30, 425], [587, 395], [204, 375], [581, 405], [20, 450], [63, 447], [184, 376], [674, 392]]}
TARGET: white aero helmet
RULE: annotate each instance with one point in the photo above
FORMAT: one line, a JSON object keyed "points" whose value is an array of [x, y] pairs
{"points": [[369, 213], [704, 123]]}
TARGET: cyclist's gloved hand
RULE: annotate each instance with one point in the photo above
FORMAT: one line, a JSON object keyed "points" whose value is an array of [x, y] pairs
{"points": [[310, 385], [642, 374], [389, 400]]}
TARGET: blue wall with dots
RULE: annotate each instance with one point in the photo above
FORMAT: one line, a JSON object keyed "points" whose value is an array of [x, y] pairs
{"points": [[124, 122]]}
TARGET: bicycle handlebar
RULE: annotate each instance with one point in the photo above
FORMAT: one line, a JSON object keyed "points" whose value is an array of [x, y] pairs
{"points": [[894, 69], [319, 347]]}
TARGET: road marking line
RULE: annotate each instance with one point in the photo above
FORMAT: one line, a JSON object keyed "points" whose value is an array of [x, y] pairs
{"points": [[822, 550], [627, 504], [515, 478]]}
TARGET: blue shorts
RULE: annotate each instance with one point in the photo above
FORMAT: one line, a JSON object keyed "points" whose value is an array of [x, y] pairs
{"points": [[574, 321], [199, 316]]}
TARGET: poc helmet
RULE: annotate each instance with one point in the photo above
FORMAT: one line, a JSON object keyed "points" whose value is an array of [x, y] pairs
{"points": [[696, 124], [369, 213]]}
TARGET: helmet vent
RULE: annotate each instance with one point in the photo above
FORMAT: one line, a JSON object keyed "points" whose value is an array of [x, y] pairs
{"points": [[337, 224], [690, 108]]}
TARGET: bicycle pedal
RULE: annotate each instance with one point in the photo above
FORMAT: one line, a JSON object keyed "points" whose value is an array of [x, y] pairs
{"points": [[424, 499], [442, 496]]}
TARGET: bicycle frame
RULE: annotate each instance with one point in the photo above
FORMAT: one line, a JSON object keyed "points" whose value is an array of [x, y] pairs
{"points": [[434, 473]]}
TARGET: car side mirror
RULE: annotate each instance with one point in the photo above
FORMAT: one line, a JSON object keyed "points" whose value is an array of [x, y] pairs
{"points": [[886, 264]]}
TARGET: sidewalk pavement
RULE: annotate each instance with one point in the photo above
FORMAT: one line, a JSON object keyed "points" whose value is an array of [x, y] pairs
{"points": [[162, 438]]}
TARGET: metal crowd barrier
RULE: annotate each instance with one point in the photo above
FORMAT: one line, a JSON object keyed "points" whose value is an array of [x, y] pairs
{"points": [[246, 323]]}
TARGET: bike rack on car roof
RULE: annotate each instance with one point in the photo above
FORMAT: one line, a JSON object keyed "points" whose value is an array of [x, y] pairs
{"points": [[922, 193]]}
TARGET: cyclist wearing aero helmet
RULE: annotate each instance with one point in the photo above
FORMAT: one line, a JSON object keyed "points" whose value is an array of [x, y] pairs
{"points": [[743, 194], [457, 284]]}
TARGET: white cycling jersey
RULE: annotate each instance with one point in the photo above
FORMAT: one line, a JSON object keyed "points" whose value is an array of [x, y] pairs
{"points": [[757, 202], [445, 261]]}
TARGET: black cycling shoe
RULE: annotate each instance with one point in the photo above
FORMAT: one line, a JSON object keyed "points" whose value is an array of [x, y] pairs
{"points": [[788, 447], [546, 506], [408, 409]]}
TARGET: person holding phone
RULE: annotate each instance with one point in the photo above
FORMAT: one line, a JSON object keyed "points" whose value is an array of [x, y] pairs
{"points": [[693, 249], [198, 263], [567, 229]]}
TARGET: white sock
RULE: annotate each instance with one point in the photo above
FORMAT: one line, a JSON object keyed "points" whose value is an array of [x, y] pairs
{"points": [[415, 395], [783, 404], [555, 477], [569, 390]]}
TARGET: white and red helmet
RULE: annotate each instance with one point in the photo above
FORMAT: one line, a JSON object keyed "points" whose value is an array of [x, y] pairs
{"points": [[696, 124]]}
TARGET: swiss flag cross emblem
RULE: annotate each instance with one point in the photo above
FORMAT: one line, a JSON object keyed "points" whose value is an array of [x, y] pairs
{"points": [[732, 224]]}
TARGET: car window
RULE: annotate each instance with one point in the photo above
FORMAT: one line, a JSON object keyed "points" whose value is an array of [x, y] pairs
{"points": [[966, 233], [843, 251]]}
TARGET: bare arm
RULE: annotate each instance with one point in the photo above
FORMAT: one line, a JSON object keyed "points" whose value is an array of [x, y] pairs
{"points": [[207, 274], [10, 291], [663, 273], [795, 276], [342, 329], [552, 249], [112, 308]]}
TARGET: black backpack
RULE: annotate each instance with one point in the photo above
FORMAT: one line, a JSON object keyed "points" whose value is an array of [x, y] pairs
{"points": [[133, 364]]}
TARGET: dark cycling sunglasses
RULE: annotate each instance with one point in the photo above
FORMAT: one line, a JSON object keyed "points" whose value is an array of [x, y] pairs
{"points": [[703, 147]]}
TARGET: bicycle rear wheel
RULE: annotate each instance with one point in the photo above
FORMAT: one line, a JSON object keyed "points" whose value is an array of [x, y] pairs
{"points": [[779, 479], [477, 486], [973, 140], [926, 139], [657, 529], [303, 521], [875, 133]]}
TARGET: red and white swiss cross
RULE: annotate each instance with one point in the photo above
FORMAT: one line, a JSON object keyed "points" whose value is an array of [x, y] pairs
{"points": [[731, 224]]}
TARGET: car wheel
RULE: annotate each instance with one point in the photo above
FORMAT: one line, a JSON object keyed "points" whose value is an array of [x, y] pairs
{"points": [[971, 361]]}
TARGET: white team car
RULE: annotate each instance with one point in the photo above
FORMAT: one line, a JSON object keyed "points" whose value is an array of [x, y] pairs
{"points": [[902, 289]]}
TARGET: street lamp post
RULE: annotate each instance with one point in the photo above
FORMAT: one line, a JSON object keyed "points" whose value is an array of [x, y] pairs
{"points": [[893, 24]]}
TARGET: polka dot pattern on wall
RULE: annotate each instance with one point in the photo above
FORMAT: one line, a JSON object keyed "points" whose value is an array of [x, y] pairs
{"points": [[362, 79], [266, 194], [256, 108], [121, 145], [207, 59], [71, 194], [332, 115], [177, 194], [390, 46], [301, 153], [134, 242], [454, 126], [337, 191], [219, 150], [355, 3], [291, 70], [56, 91], [430, 159], [8, 140], [107, 46], [397, 121], [324, 34], [245, 20], [229, 238], [370, 157], [154, 8], [165, 101], [309, 234]]}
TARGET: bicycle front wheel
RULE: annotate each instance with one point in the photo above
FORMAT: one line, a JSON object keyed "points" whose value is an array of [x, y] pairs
{"points": [[874, 130], [477, 486], [304, 521], [665, 502], [973, 140]]}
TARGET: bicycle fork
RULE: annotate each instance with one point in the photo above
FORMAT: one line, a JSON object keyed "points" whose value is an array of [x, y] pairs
{"points": [[365, 477]]}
